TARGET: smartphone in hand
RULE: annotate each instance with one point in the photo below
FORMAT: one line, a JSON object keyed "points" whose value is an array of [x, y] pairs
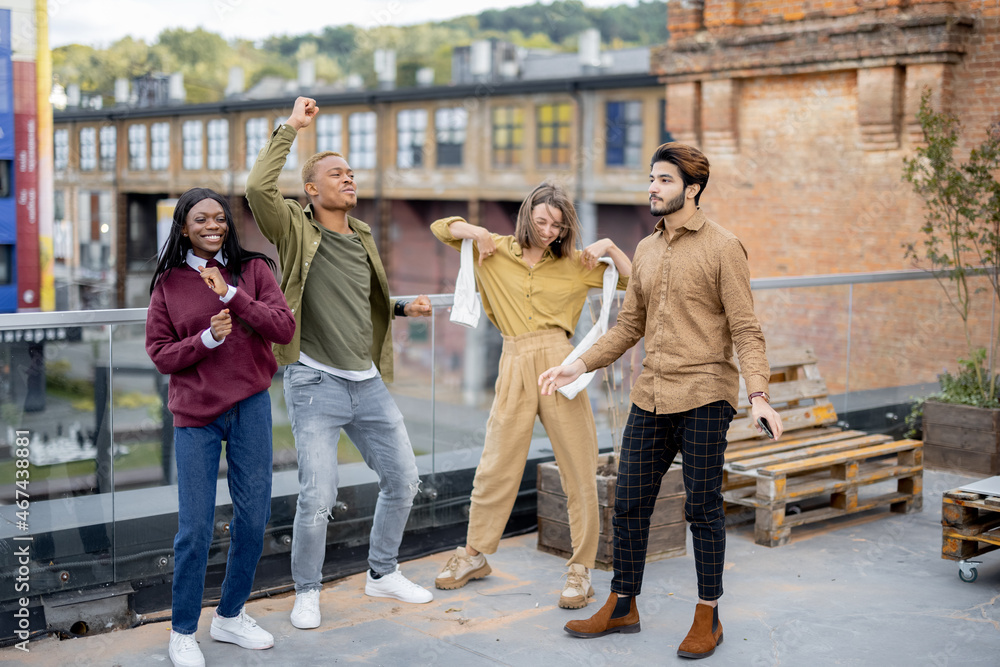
{"points": [[765, 427]]}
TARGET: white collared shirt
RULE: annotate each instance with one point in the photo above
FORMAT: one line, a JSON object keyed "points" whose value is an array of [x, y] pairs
{"points": [[194, 262]]}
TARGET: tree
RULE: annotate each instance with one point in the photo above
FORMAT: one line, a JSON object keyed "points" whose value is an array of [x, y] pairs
{"points": [[205, 57], [961, 236]]}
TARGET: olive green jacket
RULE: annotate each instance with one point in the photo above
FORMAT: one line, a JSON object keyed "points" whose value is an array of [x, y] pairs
{"points": [[290, 227]]}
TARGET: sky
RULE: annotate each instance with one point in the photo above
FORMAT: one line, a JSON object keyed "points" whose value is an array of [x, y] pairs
{"points": [[99, 22]]}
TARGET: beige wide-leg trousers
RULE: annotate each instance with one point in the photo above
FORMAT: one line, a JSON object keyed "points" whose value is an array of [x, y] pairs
{"points": [[570, 427]]}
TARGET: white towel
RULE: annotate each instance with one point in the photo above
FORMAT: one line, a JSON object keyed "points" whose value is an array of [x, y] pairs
{"points": [[467, 308], [599, 329]]}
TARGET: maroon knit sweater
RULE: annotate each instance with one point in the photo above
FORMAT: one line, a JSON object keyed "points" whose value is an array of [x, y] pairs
{"points": [[204, 382]]}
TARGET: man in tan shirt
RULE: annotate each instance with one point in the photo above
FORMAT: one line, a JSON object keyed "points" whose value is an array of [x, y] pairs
{"points": [[689, 296]]}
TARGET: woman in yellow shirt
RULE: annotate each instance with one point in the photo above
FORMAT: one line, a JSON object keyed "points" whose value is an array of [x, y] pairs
{"points": [[533, 287]]}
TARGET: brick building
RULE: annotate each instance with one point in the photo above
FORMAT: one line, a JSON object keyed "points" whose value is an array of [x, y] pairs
{"points": [[806, 110]]}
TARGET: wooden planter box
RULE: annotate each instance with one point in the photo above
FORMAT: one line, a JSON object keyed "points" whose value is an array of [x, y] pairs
{"points": [[667, 527], [962, 438]]}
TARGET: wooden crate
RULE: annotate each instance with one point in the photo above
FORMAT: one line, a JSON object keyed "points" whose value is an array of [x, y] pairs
{"points": [[970, 524], [667, 528], [962, 438], [836, 477]]}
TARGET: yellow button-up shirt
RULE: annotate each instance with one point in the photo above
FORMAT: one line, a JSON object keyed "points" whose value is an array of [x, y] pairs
{"points": [[520, 299], [690, 297]]}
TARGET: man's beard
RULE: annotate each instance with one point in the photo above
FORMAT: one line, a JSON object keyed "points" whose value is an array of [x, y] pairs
{"points": [[666, 208]]}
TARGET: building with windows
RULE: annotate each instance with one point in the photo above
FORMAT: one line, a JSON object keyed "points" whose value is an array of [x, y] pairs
{"points": [[473, 149]]}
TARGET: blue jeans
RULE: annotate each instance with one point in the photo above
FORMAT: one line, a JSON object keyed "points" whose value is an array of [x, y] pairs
{"points": [[319, 406], [246, 428]]}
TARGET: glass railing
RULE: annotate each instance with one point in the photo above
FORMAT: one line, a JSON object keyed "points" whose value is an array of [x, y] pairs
{"points": [[88, 480]]}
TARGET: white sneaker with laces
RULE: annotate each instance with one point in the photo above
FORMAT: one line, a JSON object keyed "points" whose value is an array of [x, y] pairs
{"points": [[184, 651], [305, 613], [578, 588], [395, 585], [241, 630]]}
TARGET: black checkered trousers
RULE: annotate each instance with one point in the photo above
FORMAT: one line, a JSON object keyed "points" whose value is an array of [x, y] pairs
{"points": [[649, 444]]}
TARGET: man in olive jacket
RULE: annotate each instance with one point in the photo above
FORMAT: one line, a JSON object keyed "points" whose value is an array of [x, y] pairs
{"points": [[337, 361]]}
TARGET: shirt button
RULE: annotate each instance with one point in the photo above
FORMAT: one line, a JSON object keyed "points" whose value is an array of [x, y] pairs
{"points": [[307, 263], [293, 310]]}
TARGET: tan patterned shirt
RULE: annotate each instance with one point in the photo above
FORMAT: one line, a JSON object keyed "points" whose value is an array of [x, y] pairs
{"points": [[691, 299]]}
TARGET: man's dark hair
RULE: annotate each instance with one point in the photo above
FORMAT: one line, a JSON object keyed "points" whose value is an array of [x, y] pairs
{"points": [[690, 161]]}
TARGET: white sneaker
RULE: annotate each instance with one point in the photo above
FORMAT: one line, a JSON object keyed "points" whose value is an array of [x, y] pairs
{"points": [[397, 586], [305, 613], [462, 568], [578, 588], [184, 651], [241, 630]]}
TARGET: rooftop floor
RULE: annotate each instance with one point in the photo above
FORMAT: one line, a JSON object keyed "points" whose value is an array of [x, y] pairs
{"points": [[871, 589]]}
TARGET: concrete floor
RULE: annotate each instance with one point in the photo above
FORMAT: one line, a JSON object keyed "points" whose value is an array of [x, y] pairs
{"points": [[865, 590]]}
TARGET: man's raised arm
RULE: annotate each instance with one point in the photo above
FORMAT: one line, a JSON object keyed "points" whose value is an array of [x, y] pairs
{"points": [[270, 210]]}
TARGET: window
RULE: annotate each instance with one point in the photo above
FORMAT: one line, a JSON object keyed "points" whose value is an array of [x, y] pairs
{"points": [[6, 171], [159, 146], [193, 145], [450, 124], [109, 147], [292, 161], [256, 138], [623, 134], [553, 134], [411, 126], [137, 147], [62, 234], [218, 143], [6, 264], [60, 145], [361, 138], [330, 133], [508, 136], [665, 136], [88, 149], [94, 230]]}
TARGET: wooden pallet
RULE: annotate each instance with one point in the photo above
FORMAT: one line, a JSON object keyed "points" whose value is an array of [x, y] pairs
{"points": [[799, 394], [970, 524], [797, 391], [836, 475]]}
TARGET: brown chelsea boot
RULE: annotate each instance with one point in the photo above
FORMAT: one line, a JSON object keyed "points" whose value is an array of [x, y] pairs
{"points": [[601, 623], [705, 633]]}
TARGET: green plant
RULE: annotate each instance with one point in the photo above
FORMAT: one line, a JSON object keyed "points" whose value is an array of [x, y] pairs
{"points": [[961, 237], [963, 388], [58, 381]]}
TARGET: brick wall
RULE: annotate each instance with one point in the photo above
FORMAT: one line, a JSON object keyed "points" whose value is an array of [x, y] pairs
{"points": [[806, 110]]}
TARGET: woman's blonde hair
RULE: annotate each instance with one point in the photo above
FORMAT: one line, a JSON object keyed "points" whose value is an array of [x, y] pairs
{"points": [[556, 197]]}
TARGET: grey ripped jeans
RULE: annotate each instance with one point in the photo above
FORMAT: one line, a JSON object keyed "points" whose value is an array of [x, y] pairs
{"points": [[319, 406]]}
